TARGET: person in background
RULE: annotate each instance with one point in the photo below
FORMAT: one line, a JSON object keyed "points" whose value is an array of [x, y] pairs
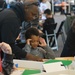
{"points": [[10, 23], [69, 46], [57, 6], [64, 7], [56, 2], [49, 19], [7, 62], [48, 4], [3, 5], [43, 6], [36, 45]]}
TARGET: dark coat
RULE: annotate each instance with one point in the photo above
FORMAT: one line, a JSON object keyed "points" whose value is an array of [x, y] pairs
{"points": [[69, 46], [49, 22], [10, 22]]}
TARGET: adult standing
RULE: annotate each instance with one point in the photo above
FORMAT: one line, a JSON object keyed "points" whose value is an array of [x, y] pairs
{"points": [[69, 46], [10, 22]]}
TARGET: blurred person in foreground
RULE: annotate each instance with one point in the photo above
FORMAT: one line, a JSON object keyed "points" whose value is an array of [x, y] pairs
{"points": [[10, 22], [69, 46], [7, 61]]}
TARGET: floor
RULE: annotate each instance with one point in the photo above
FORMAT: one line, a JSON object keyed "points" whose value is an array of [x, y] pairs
{"points": [[59, 18]]}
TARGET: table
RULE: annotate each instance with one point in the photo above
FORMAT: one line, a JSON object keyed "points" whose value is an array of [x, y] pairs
{"points": [[61, 58], [64, 58], [20, 70]]}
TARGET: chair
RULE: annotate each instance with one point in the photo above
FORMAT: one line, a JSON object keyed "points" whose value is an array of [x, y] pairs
{"points": [[59, 31], [51, 35]]}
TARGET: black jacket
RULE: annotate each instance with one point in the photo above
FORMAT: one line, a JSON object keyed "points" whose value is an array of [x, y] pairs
{"points": [[10, 22], [49, 22]]}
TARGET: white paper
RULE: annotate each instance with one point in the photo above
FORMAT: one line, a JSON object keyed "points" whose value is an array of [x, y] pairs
{"points": [[53, 67], [29, 64], [17, 72]]}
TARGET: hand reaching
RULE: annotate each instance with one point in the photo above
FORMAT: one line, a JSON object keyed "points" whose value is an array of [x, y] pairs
{"points": [[5, 48], [42, 42]]}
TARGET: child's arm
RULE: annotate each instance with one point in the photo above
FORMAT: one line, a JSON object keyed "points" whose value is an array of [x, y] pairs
{"points": [[7, 63], [49, 52], [42, 42], [27, 47]]}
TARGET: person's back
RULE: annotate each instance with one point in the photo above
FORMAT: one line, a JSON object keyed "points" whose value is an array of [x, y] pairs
{"points": [[69, 46], [68, 23], [7, 24], [49, 21]]}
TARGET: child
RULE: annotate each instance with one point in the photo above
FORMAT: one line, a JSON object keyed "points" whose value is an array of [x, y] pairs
{"points": [[49, 19], [7, 62], [33, 40]]}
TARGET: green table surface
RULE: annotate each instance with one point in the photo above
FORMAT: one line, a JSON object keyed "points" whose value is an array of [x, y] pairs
{"points": [[28, 72], [65, 62]]}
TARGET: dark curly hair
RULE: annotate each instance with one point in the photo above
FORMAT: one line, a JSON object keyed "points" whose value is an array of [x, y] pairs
{"points": [[31, 31], [47, 11]]}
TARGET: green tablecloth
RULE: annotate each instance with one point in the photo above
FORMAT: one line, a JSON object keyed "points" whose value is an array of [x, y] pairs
{"points": [[65, 62], [28, 72]]}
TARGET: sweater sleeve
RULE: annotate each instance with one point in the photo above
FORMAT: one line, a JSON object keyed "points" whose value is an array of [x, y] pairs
{"points": [[49, 53], [7, 64]]}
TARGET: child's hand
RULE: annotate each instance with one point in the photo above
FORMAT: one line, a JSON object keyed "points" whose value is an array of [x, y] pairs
{"points": [[28, 41], [5, 48], [42, 42]]}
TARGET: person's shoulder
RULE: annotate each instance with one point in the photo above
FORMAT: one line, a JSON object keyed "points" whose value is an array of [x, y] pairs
{"points": [[7, 11]]}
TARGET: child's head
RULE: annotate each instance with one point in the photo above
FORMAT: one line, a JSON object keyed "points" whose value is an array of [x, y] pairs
{"points": [[48, 13], [33, 33]]}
